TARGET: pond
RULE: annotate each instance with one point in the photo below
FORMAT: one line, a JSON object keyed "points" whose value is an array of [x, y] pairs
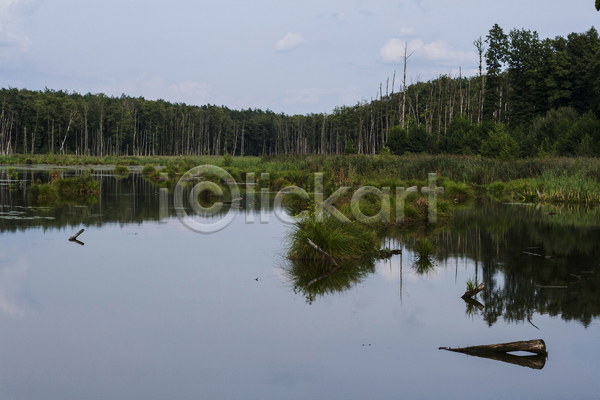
{"points": [[147, 308]]}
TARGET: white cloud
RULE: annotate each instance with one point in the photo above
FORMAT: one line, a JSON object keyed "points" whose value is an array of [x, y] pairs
{"points": [[155, 87], [341, 16], [404, 31], [391, 51], [13, 39], [290, 41], [437, 51]]}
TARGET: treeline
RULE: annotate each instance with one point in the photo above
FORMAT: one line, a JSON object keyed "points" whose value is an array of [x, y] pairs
{"points": [[531, 97]]}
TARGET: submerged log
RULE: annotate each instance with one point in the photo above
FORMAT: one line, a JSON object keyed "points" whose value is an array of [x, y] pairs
{"points": [[74, 237], [537, 361], [536, 346], [474, 303], [471, 293], [389, 253], [532, 254]]}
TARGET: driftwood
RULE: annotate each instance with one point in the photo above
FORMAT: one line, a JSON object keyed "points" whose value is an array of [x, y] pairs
{"points": [[536, 346], [471, 293], [535, 361], [389, 253], [473, 302], [74, 238], [551, 287], [532, 254]]}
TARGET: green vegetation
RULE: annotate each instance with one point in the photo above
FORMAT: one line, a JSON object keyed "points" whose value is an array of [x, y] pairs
{"points": [[148, 170], [349, 274], [342, 241], [471, 284], [63, 189], [121, 171], [539, 97]]}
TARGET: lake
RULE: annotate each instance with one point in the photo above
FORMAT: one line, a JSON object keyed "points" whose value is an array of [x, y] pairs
{"points": [[149, 309]]}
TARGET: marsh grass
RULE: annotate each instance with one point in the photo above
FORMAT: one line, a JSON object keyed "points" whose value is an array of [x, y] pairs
{"points": [[148, 170], [471, 284], [342, 241], [61, 189], [424, 263], [121, 171]]}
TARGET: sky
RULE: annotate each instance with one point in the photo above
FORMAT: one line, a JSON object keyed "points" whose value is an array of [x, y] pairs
{"points": [[288, 56]]}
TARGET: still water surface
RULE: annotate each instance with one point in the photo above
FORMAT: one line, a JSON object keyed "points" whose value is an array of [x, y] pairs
{"points": [[148, 309]]}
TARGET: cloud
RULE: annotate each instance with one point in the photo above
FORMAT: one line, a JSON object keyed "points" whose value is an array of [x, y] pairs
{"points": [[14, 41], [289, 42], [437, 51], [312, 96], [404, 31], [155, 87], [341, 16]]}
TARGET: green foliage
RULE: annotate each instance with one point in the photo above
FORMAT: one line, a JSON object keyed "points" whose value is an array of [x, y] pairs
{"points": [[349, 149], [121, 171], [527, 77], [342, 241], [63, 189], [471, 284], [227, 160], [148, 170], [500, 144]]}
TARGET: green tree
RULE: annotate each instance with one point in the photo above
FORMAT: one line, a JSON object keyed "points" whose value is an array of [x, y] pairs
{"points": [[495, 57], [500, 144]]}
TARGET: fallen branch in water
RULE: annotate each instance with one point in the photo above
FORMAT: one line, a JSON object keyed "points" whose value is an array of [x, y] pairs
{"points": [[536, 346], [331, 271], [317, 248], [74, 237], [389, 253], [473, 302], [532, 254], [471, 293], [551, 287]]}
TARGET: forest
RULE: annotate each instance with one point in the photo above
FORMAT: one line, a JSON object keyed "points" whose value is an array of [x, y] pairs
{"points": [[531, 97]]}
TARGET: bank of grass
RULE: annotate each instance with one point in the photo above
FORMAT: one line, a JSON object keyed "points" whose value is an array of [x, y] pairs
{"points": [[63, 189], [556, 179]]}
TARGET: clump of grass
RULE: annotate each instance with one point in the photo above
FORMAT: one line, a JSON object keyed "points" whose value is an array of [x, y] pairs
{"points": [[342, 241], [148, 170], [423, 263], [61, 189], [121, 171], [81, 185], [471, 284]]}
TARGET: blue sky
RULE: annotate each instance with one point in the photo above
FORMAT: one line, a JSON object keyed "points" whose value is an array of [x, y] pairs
{"points": [[295, 57]]}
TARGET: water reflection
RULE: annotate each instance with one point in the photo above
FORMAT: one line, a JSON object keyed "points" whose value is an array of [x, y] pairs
{"points": [[315, 279], [532, 260]]}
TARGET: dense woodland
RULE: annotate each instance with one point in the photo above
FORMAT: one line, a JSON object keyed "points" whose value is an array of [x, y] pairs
{"points": [[531, 97]]}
